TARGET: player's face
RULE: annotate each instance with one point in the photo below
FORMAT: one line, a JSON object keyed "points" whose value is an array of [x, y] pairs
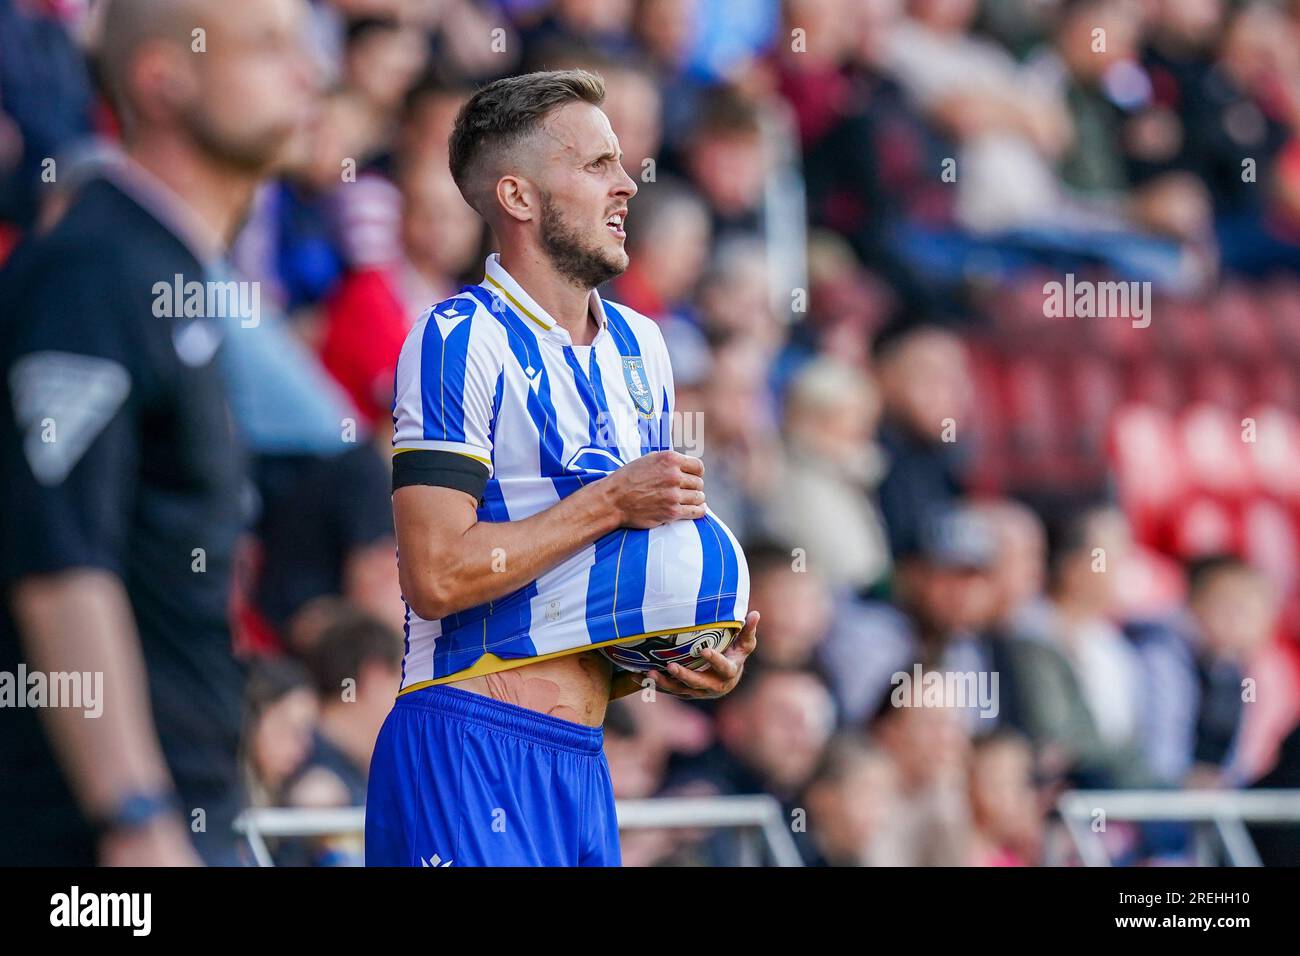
{"points": [[255, 87], [585, 194]]}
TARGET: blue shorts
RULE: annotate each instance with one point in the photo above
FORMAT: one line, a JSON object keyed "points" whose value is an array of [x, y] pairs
{"points": [[464, 780]]}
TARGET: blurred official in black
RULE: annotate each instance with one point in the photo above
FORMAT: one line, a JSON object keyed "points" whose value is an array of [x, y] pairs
{"points": [[124, 483]]}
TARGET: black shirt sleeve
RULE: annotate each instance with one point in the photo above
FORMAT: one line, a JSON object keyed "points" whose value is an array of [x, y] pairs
{"points": [[69, 434]]}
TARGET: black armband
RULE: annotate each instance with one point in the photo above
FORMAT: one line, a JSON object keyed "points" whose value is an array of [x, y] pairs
{"points": [[443, 469]]}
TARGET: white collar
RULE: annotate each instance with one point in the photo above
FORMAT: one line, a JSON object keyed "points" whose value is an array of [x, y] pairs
{"points": [[503, 283]]}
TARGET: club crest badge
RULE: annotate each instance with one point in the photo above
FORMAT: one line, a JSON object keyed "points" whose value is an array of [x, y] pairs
{"points": [[638, 386]]}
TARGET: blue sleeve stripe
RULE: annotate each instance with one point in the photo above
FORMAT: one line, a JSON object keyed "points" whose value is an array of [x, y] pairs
{"points": [[443, 363]]}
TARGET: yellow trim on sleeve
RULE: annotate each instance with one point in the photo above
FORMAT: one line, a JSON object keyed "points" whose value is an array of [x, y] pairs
{"points": [[489, 663], [463, 454]]}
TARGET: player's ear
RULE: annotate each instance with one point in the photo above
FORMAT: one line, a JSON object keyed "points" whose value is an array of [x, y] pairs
{"points": [[517, 197]]}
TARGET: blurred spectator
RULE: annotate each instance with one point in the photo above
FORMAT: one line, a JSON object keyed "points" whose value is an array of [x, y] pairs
{"points": [[636, 767], [1254, 113], [944, 599], [796, 602], [771, 737], [1105, 86], [739, 442], [46, 105], [724, 158], [932, 825], [383, 58], [927, 392], [852, 802], [1083, 706], [1021, 566], [823, 502], [666, 30], [356, 666], [846, 309], [604, 24], [734, 297], [1197, 673], [280, 718], [1009, 130], [1279, 844], [1006, 828], [290, 242]]}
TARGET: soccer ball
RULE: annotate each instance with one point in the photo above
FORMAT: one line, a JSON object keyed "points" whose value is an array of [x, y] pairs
{"points": [[656, 653]]}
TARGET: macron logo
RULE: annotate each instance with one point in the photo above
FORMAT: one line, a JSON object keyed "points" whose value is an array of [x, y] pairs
{"points": [[435, 860], [451, 316]]}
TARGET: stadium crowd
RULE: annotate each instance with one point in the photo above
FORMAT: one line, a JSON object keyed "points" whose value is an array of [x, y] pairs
{"points": [[847, 214]]}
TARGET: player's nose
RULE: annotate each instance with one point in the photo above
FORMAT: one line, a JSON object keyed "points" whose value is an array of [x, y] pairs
{"points": [[626, 187]]}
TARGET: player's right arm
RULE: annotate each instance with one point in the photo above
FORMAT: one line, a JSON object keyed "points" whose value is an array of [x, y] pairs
{"points": [[447, 379], [450, 561]]}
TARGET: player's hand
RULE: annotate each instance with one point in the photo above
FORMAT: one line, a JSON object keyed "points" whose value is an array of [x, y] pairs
{"points": [[724, 670], [657, 488]]}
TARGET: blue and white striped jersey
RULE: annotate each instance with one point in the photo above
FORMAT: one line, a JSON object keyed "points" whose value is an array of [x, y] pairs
{"points": [[488, 374]]}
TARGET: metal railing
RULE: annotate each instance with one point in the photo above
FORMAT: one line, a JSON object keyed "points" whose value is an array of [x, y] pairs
{"points": [[758, 818], [1221, 813]]}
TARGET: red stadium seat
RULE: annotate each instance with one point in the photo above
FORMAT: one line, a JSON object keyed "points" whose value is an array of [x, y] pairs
{"points": [[1216, 456], [1275, 453], [1202, 525], [1149, 472]]}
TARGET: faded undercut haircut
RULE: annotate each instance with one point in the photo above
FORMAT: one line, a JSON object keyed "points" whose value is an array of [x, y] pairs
{"points": [[503, 113]]}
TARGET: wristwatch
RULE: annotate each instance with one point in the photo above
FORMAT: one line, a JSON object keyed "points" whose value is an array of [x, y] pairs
{"points": [[135, 811]]}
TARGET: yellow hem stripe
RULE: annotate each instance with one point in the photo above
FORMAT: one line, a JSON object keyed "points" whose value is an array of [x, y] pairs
{"points": [[491, 664]]}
